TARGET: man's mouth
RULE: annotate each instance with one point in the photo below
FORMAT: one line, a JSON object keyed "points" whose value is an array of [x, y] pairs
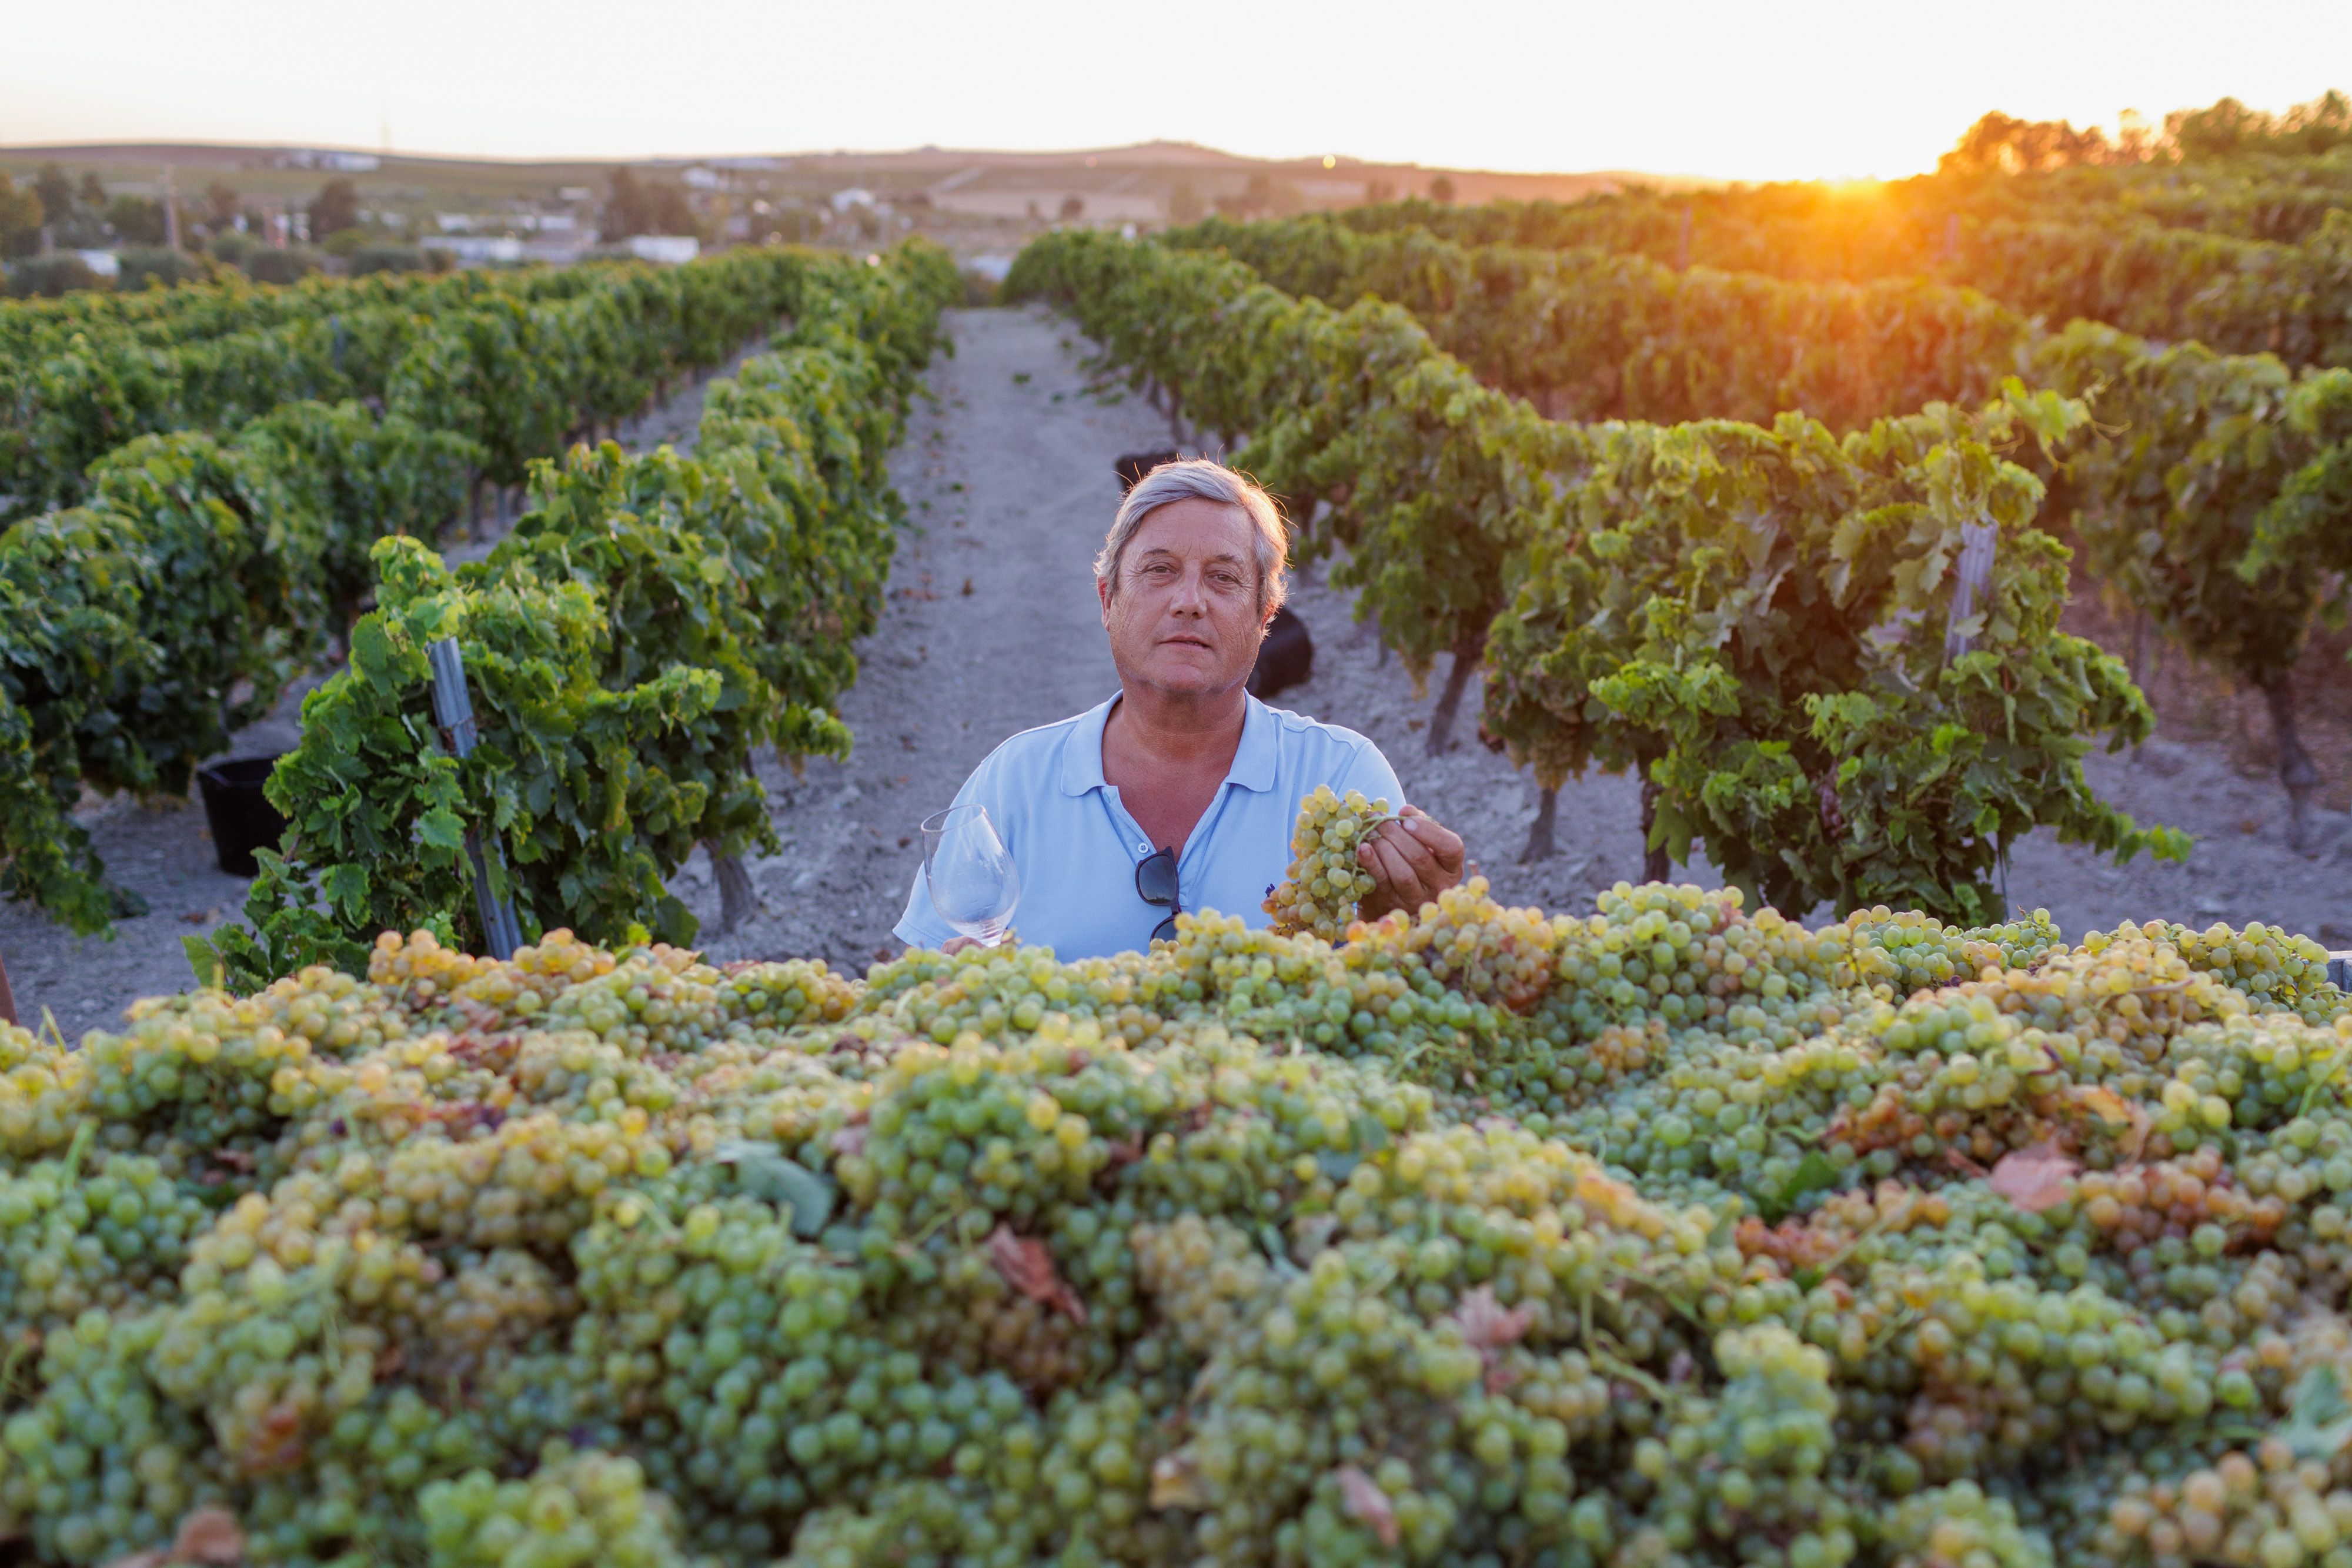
{"points": [[1182, 642]]}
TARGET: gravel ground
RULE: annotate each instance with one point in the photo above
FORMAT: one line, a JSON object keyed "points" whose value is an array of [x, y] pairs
{"points": [[991, 627]]}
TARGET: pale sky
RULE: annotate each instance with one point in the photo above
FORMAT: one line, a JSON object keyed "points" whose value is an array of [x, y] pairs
{"points": [[1753, 90]]}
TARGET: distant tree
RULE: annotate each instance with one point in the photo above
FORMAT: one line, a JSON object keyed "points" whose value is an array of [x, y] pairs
{"points": [[272, 265], [1378, 192], [334, 209], [2308, 129], [2003, 144], [220, 206], [57, 193], [91, 196], [1441, 191], [135, 220], [636, 207], [20, 218], [625, 207], [1184, 203], [50, 276], [382, 257], [673, 210], [1074, 207], [144, 264]]}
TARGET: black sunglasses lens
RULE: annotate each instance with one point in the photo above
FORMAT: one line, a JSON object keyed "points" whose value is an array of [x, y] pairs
{"points": [[1165, 931], [1155, 878]]}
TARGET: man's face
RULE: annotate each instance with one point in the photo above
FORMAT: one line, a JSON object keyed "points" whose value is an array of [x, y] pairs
{"points": [[1185, 616]]}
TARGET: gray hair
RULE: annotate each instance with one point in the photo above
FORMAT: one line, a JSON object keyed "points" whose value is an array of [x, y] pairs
{"points": [[1201, 479]]}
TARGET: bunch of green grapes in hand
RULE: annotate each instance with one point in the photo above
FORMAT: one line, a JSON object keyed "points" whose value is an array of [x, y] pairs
{"points": [[1325, 881]]}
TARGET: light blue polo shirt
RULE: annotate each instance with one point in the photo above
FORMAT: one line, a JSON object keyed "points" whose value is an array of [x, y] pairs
{"points": [[1076, 847]]}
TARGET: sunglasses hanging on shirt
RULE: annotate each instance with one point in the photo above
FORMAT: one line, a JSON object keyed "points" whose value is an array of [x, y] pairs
{"points": [[1155, 883]]}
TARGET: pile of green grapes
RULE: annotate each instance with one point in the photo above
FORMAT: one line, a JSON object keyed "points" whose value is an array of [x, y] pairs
{"points": [[1663, 1234]]}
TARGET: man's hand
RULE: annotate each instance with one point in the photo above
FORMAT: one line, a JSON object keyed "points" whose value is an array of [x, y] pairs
{"points": [[1412, 859]]}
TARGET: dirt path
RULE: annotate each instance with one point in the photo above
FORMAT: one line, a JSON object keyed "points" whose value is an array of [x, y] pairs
{"points": [[991, 627]]}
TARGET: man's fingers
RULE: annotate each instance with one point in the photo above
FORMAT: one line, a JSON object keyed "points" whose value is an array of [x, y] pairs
{"points": [[1444, 845], [1392, 870], [1403, 842], [1402, 885]]}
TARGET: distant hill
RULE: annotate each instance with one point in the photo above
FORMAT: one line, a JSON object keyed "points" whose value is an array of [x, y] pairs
{"points": [[976, 201], [1154, 163]]}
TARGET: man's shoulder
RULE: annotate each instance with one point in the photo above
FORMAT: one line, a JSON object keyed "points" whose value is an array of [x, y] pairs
{"points": [[1300, 729], [1045, 747]]}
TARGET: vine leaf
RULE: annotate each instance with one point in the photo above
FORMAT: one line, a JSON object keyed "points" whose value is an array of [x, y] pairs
{"points": [[1367, 1504], [1815, 1172], [2035, 1178], [2113, 1110], [1028, 1268], [1489, 1326], [2320, 1424], [766, 1173]]}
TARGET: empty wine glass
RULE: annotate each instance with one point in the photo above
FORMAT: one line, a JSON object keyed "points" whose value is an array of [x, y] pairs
{"points": [[969, 872]]}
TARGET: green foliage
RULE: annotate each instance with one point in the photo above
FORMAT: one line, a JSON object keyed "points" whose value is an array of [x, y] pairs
{"points": [[2306, 531], [52, 276], [366, 476], [1589, 335], [2249, 255], [569, 781], [335, 208], [149, 266], [20, 219], [647, 624], [2196, 445], [212, 566], [1757, 621]]}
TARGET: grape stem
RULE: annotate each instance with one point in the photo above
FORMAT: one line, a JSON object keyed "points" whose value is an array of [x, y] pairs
{"points": [[84, 1135], [1828, 1266]]}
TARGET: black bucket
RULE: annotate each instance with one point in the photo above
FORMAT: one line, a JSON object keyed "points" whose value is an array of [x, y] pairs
{"points": [[242, 821]]}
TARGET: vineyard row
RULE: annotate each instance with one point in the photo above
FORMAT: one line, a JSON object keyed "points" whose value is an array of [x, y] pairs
{"points": [[647, 624], [2207, 489], [1769, 623]]}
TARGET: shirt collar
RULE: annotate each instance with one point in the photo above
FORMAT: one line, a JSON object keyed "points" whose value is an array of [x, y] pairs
{"points": [[1254, 761]]}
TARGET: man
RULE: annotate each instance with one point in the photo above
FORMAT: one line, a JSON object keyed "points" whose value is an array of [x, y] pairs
{"points": [[1180, 792]]}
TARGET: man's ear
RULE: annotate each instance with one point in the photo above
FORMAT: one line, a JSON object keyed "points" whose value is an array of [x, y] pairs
{"points": [[1102, 596]]}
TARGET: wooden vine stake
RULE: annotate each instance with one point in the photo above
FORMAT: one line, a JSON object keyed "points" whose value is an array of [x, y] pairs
{"points": [[1971, 583], [453, 710]]}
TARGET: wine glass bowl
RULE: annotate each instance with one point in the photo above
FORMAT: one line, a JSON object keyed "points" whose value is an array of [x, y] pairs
{"points": [[969, 874]]}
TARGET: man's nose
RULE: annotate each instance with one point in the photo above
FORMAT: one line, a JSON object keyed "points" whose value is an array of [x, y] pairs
{"points": [[1192, 596]]}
